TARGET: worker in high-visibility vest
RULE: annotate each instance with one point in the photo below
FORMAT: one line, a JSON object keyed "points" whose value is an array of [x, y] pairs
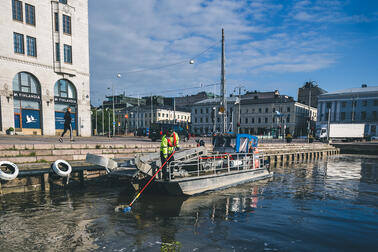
{"points": [[169, 143]]}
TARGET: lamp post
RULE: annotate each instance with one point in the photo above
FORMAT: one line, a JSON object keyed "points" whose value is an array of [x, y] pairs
{"points": [[113, 110], [103, 119]]}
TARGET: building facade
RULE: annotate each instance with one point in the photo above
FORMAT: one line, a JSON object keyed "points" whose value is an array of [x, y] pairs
{"points": [[272, 114], [207, 119], [44, 66], [140, 117], [260, 113], [308, 94], [353, 105]]}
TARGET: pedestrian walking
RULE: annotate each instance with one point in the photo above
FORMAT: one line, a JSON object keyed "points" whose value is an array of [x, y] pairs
{"points": [[67, 125]]}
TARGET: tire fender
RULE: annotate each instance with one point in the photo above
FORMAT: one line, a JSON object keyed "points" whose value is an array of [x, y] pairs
{"points": [[57, 170], [8, 176]]}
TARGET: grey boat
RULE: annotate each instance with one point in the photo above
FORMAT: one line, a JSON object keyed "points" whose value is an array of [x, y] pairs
{"points": [[194, 171]]}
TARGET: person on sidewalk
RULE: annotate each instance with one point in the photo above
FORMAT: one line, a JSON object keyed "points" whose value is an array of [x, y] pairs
{"points": [[67, 125], [169, 143]]}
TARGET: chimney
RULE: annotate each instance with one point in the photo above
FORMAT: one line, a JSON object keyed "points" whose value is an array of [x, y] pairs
{"points": [[364, 85]]}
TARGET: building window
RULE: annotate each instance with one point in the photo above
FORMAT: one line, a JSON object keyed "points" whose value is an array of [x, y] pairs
{"points": [[343, 104], [17, 10], [201, 120], [342, 116], [64, 88], [18, 41], [259, 110], [266, 110], [288, 119], [375, 102], [266, 119], [56, 17], [374, 115], [31, 46], [57, 51], [195, 111], [66, 24], [259, 120], [63, 1], [246, 120], [195, 120], [67, 54], [364, 103], [201, 110], [363, 115], [207, 110], [253, 120], [288, 109], [30, 14], [207, 120]]}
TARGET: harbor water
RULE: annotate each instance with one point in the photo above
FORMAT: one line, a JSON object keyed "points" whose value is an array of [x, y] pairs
{"points": [[323, 206]]}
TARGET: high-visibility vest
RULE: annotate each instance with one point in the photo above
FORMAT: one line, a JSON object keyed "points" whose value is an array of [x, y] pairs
{"points": [[168, 144]]}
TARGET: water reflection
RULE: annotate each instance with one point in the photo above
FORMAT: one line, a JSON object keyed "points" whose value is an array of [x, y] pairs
{"points": [[303, 206]]}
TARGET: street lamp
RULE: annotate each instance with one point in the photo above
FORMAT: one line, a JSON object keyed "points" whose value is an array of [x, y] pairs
{"points": [[113, 110]]}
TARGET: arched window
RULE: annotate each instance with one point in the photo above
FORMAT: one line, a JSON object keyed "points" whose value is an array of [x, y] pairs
{"points": [[27, 83], [64, 88], [65, 96], [27, 103]]}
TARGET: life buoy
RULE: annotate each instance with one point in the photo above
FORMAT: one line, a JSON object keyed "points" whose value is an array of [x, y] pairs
{"points": [[8, 176], [257, 163], [57, 170]]}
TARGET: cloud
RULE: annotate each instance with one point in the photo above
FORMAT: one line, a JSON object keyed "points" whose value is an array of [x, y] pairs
{"points": [[139, 38]]}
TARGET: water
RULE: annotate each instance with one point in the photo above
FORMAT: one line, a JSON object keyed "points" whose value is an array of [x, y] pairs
{"points": [[326, 206]]}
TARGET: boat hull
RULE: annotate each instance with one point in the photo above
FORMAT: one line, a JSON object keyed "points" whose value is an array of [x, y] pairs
{"points": [[200, 184]]}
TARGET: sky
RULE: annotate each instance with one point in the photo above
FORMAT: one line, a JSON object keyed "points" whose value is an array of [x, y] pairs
{"points": [[144, 47]]}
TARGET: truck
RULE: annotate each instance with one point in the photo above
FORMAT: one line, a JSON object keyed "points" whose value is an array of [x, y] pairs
{"points": [[341, 131]]}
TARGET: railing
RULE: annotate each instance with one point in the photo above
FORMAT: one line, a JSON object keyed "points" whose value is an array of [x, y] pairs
{"points": [[215, 164]]}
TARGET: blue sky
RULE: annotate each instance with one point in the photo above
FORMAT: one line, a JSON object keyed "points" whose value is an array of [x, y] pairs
{"points": [[269, 45]]}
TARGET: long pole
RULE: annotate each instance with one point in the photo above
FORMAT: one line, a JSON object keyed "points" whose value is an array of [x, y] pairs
{"points": [[127, 209], [223, 86], [152, 115], [108, 123], [103, 119], [96, 122], [113, 111]]}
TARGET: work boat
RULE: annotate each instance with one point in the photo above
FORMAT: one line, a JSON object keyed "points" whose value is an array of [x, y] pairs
{"points": [[233, 160]]}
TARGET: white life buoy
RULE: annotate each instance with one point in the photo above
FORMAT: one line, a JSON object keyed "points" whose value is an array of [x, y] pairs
{"points": [[8, 176], [57, 170]]}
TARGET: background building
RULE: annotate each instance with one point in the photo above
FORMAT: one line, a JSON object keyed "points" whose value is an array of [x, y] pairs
{"points": [[272, 114], [140, 117], [261, 113], [44, 65], [206, 117], [353, 105], [312, 89]]}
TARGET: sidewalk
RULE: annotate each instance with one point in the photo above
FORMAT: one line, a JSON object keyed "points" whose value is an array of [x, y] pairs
{"points": [[6, 139]]}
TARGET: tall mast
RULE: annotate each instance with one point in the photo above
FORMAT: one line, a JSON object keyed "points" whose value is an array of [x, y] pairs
{"points": [[223, 87]]}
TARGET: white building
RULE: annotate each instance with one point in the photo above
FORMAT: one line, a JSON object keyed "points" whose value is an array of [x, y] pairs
{"points": [[140, 117], [44, 65]]}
